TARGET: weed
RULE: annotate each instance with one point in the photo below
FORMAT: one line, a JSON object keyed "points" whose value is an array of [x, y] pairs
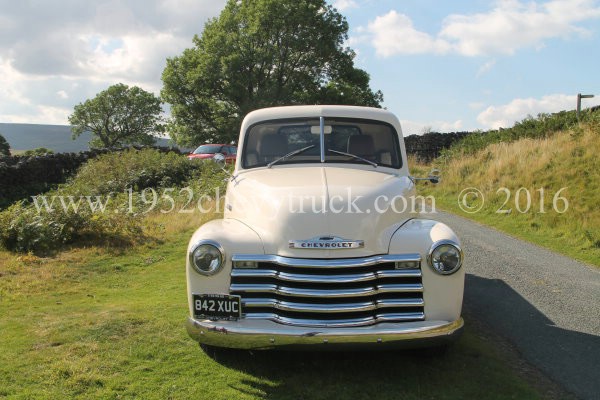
{"points": [[533, 171], [24, 228]]}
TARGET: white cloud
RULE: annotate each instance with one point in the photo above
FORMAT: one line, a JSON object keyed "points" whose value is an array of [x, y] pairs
{"points": [[508, 27], [476, 105], [71, 50], [485, 68], [451, 126], [394, 33], [137, 60], [50, 115], [18, 103], [343, 5], [418, 127], [513, 25], [506, 115], [10, 94]]}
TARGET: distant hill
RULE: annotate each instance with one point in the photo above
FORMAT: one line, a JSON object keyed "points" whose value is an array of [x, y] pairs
{"points": [[53, 137]]}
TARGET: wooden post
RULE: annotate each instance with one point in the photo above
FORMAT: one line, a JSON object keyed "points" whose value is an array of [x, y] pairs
{"points": [[579, 97]]}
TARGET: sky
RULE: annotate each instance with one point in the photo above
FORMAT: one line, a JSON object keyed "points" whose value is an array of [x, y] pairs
{"points": [[442, 65]]}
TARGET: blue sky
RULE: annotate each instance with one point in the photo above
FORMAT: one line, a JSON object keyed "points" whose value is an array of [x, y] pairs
{"points": [[442, 65], [477, 64]]}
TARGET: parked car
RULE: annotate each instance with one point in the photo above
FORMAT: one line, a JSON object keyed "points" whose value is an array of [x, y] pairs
{"points": [[315, 249], [208, 151]]}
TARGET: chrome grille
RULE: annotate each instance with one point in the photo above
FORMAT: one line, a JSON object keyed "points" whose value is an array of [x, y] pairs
{"points": [[329, 293]]}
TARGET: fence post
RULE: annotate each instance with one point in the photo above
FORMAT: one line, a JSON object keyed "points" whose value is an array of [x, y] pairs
{"points": [[579, 97]]}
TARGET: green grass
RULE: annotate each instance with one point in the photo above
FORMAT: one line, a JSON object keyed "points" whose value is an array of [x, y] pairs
{"points": [[566, 160], [531, 229], [129, 184], [539, 127], [92, 323]]}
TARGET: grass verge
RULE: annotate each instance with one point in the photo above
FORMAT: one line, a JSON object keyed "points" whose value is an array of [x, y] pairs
{"points": [[93, 323], [545, 191]]}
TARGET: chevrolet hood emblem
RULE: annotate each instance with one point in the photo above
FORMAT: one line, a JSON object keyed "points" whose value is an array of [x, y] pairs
{"points": [[326, 243]]}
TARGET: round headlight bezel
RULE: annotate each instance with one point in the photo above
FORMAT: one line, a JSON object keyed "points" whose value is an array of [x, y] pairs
{"points": [[438, 244], [212, 243]]}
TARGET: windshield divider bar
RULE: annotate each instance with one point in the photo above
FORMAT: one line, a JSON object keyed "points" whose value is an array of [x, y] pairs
{"points": [[322, 123]]}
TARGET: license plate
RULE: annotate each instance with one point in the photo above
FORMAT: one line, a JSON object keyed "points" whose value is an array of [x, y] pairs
{"points": [[217, 306]]}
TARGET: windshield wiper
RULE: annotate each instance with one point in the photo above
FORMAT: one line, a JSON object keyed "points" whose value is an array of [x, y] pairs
{"points": [[374, 164], [290, 154]]}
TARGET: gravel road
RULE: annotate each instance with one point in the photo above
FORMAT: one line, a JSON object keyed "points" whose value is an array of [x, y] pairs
{"points": [[545, 304]]}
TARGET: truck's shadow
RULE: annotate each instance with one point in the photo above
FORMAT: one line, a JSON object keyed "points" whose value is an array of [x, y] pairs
{"points": [[399, 374], [571, 358], [342, 375]]}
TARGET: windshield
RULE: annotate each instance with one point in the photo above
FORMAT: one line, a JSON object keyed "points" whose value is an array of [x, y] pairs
{"points": [[370, 142], [208, 149]]}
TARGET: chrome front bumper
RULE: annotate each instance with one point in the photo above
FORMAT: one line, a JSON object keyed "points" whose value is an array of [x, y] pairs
{"points": [[263, 334]]}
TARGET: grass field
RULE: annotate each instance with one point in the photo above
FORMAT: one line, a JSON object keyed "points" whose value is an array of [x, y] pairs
{"points": [[520, 185], [93, 323]]}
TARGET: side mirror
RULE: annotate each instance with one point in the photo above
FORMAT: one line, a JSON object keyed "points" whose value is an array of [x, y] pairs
{"points": [[434, 177], [219, 158]]}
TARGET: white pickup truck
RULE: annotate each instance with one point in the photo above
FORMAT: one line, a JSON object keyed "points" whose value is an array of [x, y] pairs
{"points": [[319, 245]]}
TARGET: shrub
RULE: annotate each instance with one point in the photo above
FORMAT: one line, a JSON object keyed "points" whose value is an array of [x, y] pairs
{"points": [[25, 228], [136, 169], [22, 176], [207, 177], [542, 126], [4, 147], [40, 151]]}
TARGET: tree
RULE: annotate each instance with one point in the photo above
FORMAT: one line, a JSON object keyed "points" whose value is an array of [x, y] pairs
{"points": [[261, 53], [4, 147], [39, 151], [119, 115]]}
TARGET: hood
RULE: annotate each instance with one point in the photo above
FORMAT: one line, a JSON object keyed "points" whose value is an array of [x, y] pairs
{"points": [[291, 203]]}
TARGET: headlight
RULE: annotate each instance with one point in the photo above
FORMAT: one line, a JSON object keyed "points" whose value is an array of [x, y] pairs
{"points": [[445, 257], [207, 257]]}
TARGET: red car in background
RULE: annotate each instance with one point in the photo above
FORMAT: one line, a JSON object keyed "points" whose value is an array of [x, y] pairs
{"points": [[208, 151]]}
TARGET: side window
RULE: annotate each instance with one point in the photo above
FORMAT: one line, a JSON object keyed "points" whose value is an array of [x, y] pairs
{"points": [[233, 150], [224, 150]]}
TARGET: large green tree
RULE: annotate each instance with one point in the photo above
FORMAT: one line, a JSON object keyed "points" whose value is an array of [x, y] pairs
{"points": [[261, 53], [119, 115], [4, 147]]}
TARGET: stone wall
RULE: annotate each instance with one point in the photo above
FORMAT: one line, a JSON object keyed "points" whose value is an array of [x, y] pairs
{"points": [[22, 177], [428, 146]]}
